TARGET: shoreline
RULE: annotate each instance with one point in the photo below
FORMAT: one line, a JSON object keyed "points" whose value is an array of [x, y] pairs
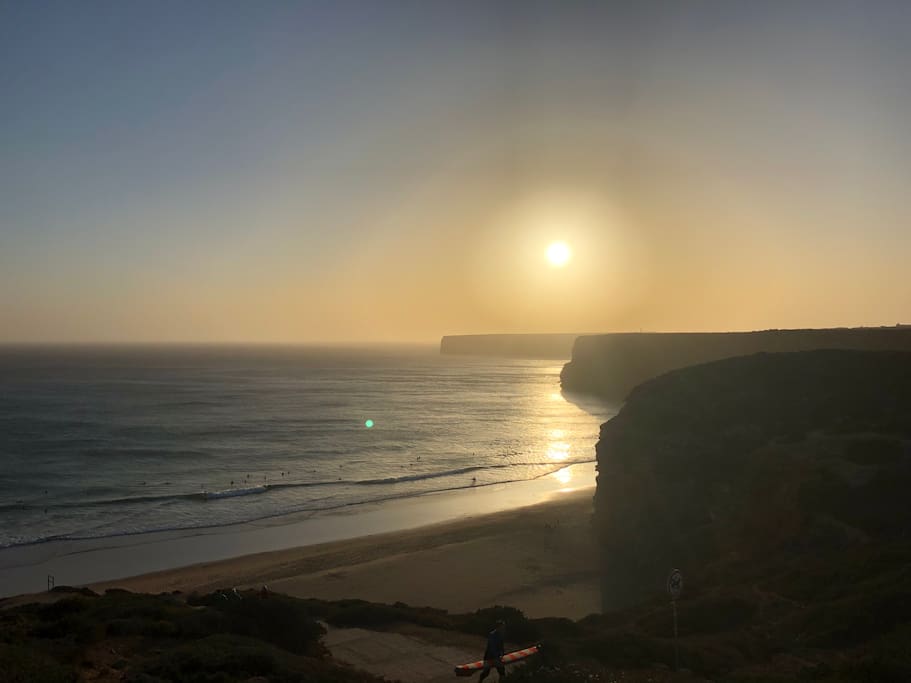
{"points": [[539, 558], [118, 560]]}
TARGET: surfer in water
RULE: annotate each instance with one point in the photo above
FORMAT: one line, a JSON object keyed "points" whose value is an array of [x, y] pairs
{"points": [[494, 651]]}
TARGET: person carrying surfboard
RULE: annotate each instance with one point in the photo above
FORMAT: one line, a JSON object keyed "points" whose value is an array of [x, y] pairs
{"points": [[494, 652]]}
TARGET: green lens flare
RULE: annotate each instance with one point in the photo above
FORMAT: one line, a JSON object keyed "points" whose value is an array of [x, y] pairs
{"points": [[368, 424]]}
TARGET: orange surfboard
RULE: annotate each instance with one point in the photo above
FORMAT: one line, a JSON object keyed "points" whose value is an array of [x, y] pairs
{"points": [[508, 658]]}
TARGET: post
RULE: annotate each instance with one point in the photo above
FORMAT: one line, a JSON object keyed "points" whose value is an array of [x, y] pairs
{"points": [[674, 588], [676, 649], [50, 582]]}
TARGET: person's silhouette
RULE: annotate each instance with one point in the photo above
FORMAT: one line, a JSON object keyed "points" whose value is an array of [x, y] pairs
{"points": [[494, 652]]}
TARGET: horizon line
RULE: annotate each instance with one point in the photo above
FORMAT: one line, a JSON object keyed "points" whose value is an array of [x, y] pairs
{"points": [[410, 342]]}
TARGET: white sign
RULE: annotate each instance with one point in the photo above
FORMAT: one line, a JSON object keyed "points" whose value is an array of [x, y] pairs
{"points": [[675, 584]]}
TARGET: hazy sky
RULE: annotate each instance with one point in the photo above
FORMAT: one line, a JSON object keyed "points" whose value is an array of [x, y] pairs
{"points": [[380, 170]]}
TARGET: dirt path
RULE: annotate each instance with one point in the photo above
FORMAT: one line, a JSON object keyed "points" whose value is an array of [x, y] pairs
{"points": [[396, 655]]}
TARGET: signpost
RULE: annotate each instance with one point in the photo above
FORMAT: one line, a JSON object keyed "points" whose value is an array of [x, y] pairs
{"points": [[674, 588]]}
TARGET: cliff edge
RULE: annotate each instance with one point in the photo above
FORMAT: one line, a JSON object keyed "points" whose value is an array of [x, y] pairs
{"points": [[610, 365], [751, 468]]}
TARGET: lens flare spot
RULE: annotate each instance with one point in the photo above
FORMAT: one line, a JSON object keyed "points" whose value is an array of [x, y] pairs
{"points": [[368, 424]]}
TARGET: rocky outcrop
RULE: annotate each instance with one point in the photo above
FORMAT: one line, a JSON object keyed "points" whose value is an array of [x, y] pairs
{"points": [[747, 459], [610, 365], [544, 346]]}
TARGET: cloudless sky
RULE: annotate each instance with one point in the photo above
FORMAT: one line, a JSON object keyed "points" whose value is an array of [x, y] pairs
{"points": [[390, 171]]}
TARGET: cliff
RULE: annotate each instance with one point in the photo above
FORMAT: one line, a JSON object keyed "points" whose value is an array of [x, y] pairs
{"points": [[544, 346], [751, 468], [610, 365]]}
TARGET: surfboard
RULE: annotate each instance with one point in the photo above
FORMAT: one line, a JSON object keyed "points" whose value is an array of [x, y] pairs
{"points": [[508, 658]]}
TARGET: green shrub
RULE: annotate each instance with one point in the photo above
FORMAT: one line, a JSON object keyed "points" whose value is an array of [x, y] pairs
{"points": [[537, 671], [228, 658], [21, 664], [853, 621], [706, 615], [623, 649], [364, 614], [874, 450], [281, 620], [213, 658], [519, 629], [64, 607]]}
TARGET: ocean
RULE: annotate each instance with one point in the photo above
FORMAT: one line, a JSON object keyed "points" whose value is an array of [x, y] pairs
{"points": [[99, 442]]}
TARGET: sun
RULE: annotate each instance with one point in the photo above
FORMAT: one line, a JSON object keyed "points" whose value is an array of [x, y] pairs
{"points": [[558, 254]]}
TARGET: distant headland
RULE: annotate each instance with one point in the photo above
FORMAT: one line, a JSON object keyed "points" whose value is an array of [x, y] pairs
{"points": [[610, 365], [544, 346]]}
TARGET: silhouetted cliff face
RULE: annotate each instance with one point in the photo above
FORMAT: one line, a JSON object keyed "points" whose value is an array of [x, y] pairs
{"points": [[751, 458], [610, 365], [545, 346]]}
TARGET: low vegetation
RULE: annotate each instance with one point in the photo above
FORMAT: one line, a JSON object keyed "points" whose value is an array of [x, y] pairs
{"points": [[831, 623], [217, 638]]}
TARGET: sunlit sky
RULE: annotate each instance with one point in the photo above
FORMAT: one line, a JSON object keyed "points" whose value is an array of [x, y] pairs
{"points": [[392, 171]]}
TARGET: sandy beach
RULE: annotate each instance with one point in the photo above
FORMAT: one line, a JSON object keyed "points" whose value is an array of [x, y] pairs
{"points": [[538, 558]]}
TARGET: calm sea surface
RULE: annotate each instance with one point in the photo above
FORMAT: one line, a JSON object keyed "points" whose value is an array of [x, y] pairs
{"points": [[99, 441]]}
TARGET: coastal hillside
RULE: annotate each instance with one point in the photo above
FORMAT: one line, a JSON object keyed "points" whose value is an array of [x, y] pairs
{"points": [[544, 346], [749, 457], [756, 468], [610, 365]]}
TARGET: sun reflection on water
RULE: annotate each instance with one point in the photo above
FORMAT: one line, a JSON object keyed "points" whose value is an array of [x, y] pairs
{"points": [[558, 450], [564, 476]]}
